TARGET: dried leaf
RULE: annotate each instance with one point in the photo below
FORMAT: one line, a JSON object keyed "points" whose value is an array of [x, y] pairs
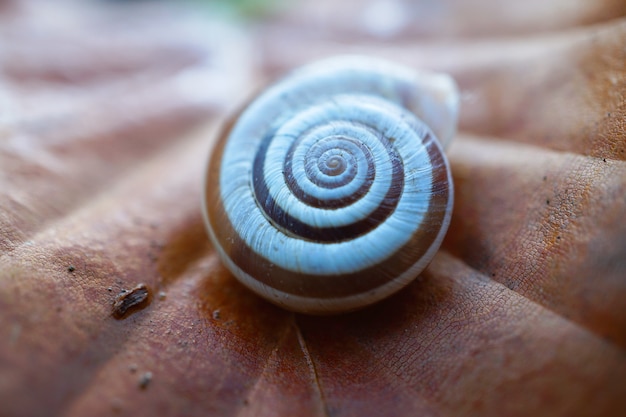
{"points": [[521, 313]]}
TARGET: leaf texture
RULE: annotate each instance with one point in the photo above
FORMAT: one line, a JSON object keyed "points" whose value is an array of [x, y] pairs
{"points": [[104, 145]]}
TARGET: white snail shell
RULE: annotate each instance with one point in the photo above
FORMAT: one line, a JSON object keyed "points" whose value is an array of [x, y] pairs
{"points": [[331, 191]]}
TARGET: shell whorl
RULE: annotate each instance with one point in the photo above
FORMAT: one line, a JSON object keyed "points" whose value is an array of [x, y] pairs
{"points": [[331, 191]]}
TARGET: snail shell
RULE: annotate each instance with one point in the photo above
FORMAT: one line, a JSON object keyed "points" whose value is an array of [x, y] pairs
{"points": [[331, 191]]}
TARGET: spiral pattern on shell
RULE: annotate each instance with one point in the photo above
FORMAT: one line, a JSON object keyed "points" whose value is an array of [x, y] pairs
{"points": [[331, 191]]}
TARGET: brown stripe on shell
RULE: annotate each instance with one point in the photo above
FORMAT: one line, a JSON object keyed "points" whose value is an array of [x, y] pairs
{"points": [[277, 217], [321, 287], [334, 203]]}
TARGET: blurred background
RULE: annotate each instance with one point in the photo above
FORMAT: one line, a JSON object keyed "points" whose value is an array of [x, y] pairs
{"points": [[212, 53]]}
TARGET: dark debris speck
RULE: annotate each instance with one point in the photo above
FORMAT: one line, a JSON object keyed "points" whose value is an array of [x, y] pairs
{"points": [[144, 380], [131, 300]]}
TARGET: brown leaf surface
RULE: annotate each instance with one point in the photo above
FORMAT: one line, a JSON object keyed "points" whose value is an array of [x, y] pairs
{"points": [[104, 141]]}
